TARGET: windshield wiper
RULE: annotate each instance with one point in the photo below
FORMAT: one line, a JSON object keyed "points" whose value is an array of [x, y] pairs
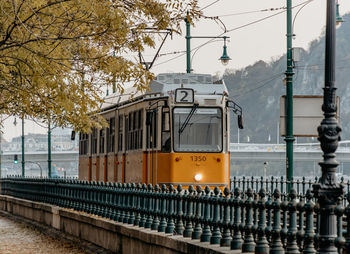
{"points": [[188, 118]]}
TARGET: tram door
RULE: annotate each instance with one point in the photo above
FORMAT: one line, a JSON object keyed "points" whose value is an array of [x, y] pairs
{"points": [[151, 145], [120, 169], [133, 150]]}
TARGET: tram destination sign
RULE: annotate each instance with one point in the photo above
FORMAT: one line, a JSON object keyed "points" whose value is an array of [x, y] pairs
{"points": [[307, 115], [184, 95]]}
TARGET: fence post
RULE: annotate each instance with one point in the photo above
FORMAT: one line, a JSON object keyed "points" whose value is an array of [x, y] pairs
{"points": [[301, 232], [206, 234], [132, 194], [170, 197], [137, 204], [292, 246], [339, 241], [276, 243], [119, 200], [189, 213], [149, 206], [347, 213], [216, 234], [127, 198], [262, 246], [309, 227], [179, 226], [284, 208], [144, 204], [248, 244], [197, 231], [155, 194], [122, 202], [236, 243], [163, 200], [226, 234]]}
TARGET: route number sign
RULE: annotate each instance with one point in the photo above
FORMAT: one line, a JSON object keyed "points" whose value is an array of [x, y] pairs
{"points": [[184, 95]]}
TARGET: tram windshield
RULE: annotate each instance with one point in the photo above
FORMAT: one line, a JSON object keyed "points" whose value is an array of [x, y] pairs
{"points": [[197, 129]]}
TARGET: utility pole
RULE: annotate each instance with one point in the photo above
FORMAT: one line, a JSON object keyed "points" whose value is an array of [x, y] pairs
{"points": [[49, 150], [23, 162], [328, 191], [0, 151], [224, 58], [188, 44], [289, 138]]}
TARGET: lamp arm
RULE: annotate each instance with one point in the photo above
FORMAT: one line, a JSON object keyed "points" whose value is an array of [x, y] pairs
{"points": [[200, 48], [296, 14]]}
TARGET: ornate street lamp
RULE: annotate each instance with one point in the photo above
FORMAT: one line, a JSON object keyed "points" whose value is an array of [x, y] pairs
{"points": [[328, 191], [338, 18], [224, 58]]}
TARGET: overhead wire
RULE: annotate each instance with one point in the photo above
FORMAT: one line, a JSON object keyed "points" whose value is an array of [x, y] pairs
{"points": [[230, 30], [266, 82], [209, 5]]}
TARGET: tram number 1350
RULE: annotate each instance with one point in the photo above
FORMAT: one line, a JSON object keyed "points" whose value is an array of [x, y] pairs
{"points": [[198, 158]]}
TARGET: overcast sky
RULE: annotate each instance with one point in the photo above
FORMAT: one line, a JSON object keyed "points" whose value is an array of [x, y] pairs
{"points": [[254, 36]]}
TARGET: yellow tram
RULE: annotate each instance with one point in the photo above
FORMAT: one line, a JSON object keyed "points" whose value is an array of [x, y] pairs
{"points": [[175, 133]]}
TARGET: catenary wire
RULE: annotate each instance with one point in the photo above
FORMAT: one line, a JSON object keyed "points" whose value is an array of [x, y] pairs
{"points": [[233, 29], [266, 82]]}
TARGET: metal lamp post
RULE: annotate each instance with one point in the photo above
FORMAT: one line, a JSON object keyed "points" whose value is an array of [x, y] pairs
{"points": [[289, 138], [23, 162], [328, 190], [49, 150], [224, 58]]}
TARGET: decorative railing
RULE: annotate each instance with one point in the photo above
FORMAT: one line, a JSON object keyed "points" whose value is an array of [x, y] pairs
{"points": [[249, 221], [301, 184]]}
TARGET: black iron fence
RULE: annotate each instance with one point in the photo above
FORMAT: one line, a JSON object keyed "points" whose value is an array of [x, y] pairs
{"points": [[243, 219], [300, 185]]}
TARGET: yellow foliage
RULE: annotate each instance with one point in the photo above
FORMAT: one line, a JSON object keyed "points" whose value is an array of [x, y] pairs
{"points": [[55, 55]]}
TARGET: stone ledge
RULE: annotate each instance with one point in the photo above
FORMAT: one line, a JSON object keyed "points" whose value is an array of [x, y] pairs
{"points": [[114, 236]]}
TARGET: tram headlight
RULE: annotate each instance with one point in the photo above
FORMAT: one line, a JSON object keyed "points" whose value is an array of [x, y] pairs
{"points": [[198, 177]]}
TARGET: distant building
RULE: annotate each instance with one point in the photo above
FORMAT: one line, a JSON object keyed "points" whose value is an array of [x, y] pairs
{"points": [[60, 141]]}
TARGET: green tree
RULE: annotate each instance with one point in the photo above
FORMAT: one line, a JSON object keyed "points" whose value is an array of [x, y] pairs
{"points": [[55, 55]]}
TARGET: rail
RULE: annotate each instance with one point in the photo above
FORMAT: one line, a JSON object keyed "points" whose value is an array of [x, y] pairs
{"points": [[249, 220]]}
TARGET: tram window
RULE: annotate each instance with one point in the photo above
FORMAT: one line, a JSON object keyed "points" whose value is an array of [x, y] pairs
{"points": [[135, 122], [166, 142], [120, 133], [134, 130], [200, 131], [83, 146], [139, 142], [94, 141], [152, 129], [102, 141], [127, 133], [165, 121], [140, 119], [80, 143], [111, 135]]}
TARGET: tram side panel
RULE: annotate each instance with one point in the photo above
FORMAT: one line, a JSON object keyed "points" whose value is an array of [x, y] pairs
{"points": [[83, 167], [101, 167], [134, 167], [111, 168]]}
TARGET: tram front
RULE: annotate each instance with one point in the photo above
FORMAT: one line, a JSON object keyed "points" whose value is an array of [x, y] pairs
{"points": [[199, 136]]}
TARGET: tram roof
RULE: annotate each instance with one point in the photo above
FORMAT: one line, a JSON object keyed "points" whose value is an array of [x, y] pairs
{"points": [[166, 84]]}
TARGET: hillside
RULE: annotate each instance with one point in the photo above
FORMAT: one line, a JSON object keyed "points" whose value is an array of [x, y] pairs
{"points": [[258, 88]]}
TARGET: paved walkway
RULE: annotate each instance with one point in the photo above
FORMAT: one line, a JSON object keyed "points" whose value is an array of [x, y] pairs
{"points": [[18, 238]]}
